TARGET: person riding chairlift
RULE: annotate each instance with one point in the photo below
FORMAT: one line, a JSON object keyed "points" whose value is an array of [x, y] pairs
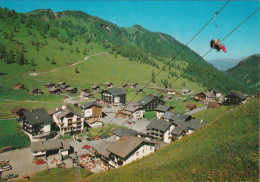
{"points": [[217, 45]]}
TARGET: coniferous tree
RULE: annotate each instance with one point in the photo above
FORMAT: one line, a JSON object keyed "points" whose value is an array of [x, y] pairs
{"points": [[76, 70]]}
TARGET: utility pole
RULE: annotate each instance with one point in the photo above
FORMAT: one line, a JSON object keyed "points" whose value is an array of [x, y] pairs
{"points": [[77, 175]]}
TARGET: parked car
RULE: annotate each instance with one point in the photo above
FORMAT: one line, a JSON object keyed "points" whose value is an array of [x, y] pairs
{"points": [[79, 140], [88, 139], [3, 160], [5, 168], [40, 161], [10, 176]]}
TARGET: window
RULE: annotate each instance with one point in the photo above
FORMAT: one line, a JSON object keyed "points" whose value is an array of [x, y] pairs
{"points": [[143, 151], [151, 148], [137, 153]]}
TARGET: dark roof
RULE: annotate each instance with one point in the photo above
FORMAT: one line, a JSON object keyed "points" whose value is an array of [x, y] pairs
{"points": [[131, 106], [163, 108], [67, 111], [115, 91], [133, 84], [159, 125], [178, 130], [175, 116], [195, 124], [90, 104], [238, 94], [145, 100], [101, 148], [65, 145], [46, 145], [36, 116], [35, 89], [125, 131], [84, 89], [125, 145]]}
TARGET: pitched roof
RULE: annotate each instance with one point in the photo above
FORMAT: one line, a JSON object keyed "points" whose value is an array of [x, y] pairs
{"points": [[132, 106], [209, 95], [55, 110], [93, 120], [94, 86], [61, 83], [90, 104], [101, 148], [178, 130], [70, 88], [36, 116], [163, 108], [65, 145], [212, 104], [125, 131], [108, 83], [125, 145], [145, 100], [159, 125], [53, 89], [175, 116], [53, 144], [185, 90], [115, 91], [190, 105], [195, 124], [133, 84], [67, 111], [216, 90], [238, 94]]}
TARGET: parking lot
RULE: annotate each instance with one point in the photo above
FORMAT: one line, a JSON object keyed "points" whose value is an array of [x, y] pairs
{"points": [[22, 163]]}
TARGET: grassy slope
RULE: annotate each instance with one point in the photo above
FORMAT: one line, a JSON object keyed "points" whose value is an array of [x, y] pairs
{"points": [[11, 134], [226, 150]]}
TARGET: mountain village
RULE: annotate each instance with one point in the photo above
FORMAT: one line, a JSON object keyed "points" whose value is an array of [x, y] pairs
{"points": [[134, 138]]}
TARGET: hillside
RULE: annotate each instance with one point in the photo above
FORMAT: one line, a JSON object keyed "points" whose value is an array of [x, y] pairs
{"points": [[43, 40], [247, 71], [226, 150]]}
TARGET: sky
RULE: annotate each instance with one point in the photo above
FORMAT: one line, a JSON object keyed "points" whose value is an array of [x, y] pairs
{"points": [[180, 19]]}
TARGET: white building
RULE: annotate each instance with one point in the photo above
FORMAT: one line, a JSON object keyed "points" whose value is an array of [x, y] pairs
{"points": [[125, 150], [69, 121], [160, 130], [132, 110], [161, 109], [54, 146]]}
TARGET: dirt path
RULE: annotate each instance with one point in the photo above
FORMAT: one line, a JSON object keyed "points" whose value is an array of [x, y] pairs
{"points": [[28, 101], [85, 59]]}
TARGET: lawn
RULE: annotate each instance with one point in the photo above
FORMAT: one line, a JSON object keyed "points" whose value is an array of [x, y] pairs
{"points": [[212, 114], [58, 174], [11, 135], [103, 130], [150, 115]]}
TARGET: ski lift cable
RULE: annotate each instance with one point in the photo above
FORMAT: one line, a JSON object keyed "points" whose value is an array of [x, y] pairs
{"points": [[177, 54], [211, 48], [205, 54]]}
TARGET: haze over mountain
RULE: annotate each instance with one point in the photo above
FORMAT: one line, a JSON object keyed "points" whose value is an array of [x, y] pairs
{"points": [[224, 64]]}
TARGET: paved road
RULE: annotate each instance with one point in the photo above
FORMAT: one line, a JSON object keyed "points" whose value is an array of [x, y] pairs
{"points": [[196, 110], [21, 162]]}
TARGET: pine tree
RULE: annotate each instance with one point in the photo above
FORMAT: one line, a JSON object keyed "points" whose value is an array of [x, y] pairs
{"points": [[20, 59], [52, 61], [10, 57], [76, 70]]}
